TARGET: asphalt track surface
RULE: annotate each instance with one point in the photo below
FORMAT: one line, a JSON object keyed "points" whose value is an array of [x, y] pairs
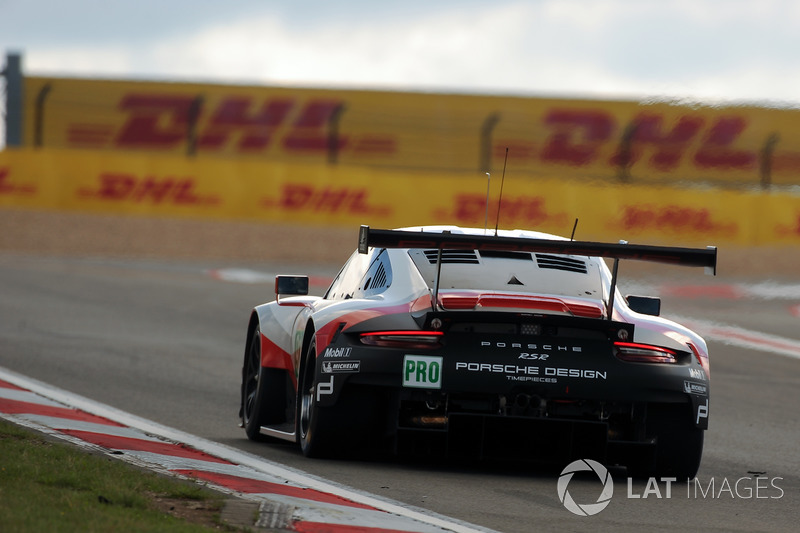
{"points": [[163, 340]]}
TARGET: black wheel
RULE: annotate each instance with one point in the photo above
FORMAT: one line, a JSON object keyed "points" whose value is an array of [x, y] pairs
{"points": [[679, 445], [263, 391], [316, 426]]}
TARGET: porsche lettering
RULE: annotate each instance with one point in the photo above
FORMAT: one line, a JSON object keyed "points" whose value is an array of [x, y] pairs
{"points": [[531, 346], [497, 368]]}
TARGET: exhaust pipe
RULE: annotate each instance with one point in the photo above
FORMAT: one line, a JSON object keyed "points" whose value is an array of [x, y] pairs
{"points": [[522, 401]]}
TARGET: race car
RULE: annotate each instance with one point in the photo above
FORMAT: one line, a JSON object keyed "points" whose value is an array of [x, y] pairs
{"points": [[465, 343]]}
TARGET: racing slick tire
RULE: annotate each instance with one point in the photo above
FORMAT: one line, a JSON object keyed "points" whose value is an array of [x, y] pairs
{"points": [[679, 444], [263, 391], [316, 426], [679, 452], [351, 427]]}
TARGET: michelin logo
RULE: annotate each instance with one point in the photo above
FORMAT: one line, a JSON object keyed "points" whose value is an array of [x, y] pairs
{"points": [[694, 388], [341, 367]]}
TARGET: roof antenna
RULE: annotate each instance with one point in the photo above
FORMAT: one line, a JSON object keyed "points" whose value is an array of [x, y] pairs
{"points": [[486, 217], [574, 227], [500, 200]]}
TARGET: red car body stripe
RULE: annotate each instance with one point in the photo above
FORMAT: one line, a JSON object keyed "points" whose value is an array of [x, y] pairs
{"points": [[273, 355]]}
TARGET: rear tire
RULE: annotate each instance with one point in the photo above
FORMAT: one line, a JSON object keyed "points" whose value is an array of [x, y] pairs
{"points": [[316, 426], [263, 391], [679, 444]]}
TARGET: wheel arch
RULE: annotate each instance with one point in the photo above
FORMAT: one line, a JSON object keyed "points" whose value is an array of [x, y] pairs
{"points": [[308, 335], [251, 328]]}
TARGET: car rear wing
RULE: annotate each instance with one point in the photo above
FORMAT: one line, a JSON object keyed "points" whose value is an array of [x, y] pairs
{"points": [[383, 238], [694, 257]]}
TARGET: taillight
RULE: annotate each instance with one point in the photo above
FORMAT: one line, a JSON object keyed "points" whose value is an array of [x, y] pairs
{"points": [[703, 361], [418, 340], [634, 352]]}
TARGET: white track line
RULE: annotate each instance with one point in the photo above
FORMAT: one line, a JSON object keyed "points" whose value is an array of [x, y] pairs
{"points": [[736, 336], [238, 457]]}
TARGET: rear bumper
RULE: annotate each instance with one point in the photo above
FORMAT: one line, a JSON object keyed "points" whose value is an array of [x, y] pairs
{"points": [[515, 439], [575, 388]]}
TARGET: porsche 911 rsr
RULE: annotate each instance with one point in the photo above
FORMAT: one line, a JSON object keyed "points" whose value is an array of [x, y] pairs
{"points": [[512, 345]]}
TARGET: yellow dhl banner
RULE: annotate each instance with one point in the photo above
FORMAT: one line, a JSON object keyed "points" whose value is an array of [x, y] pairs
{"points": [[615, 141], [336, 195]]}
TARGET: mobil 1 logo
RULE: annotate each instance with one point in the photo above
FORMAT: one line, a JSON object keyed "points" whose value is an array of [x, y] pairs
{"points": [[422, 371]]}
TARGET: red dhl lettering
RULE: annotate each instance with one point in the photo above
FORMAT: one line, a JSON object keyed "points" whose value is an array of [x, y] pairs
{"points": [[6, 187], [352, 200], [579, 137], [717, 151], [791, 230], [255, 130], [165, 121], [308, 132], [529, 210], [573, 137], [668, 147], [675, 218], [155, 121], [130, 188]]}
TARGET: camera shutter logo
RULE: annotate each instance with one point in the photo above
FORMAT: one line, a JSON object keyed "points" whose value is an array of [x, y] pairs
{"points": [[586, 509]]}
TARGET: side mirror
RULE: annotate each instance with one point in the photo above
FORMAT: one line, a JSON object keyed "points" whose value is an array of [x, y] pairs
{"points": [[646, 305], [291, 285]]}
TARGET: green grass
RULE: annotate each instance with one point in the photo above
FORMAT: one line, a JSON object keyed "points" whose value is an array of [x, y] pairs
{"points": [[51, 486]]}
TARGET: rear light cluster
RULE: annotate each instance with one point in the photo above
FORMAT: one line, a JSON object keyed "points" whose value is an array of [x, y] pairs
{"points": [[703, 361], [534, 303], [634, 352], [417, 340]]}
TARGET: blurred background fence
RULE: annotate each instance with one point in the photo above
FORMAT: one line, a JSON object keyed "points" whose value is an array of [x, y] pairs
{"points": [[649, 170], [612, 141]]}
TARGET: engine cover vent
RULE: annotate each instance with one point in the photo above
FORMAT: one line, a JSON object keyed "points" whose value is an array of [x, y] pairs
{"points": [[560, 262], [453, 256]]}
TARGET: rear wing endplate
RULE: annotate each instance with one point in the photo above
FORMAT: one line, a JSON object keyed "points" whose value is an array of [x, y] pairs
{"points": [[382, 238]]}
